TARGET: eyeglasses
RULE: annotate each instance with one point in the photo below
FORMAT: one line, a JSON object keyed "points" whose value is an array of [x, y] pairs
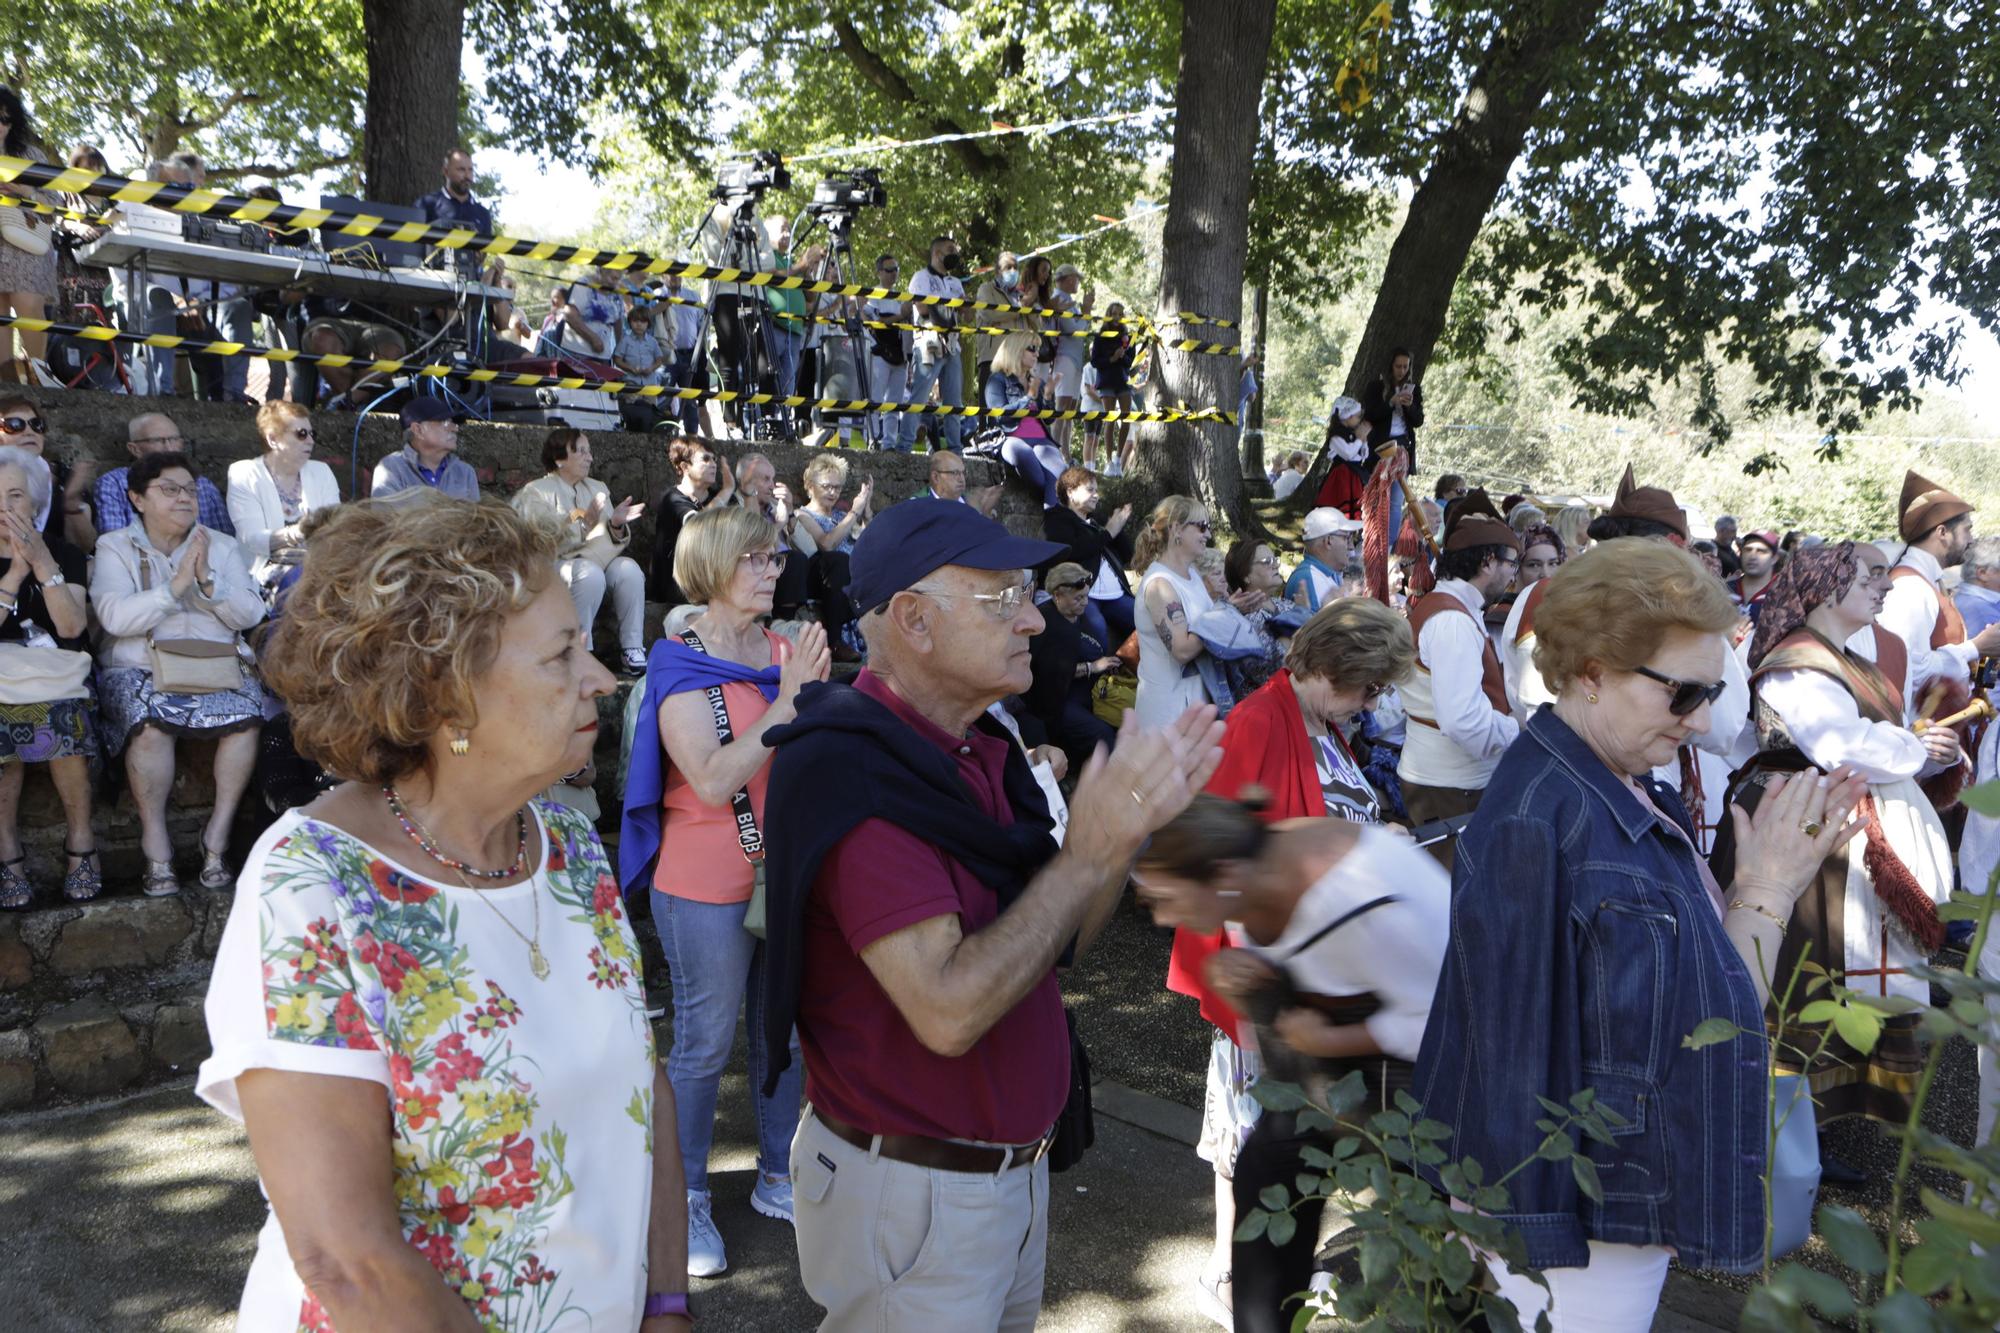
{"points": [[1003, 605], [1266, 561], [172, 490], [15, 425], [1201, 523], [1077, 585], [167, 442], [301, 433], [1688, 694], [1374, 692], [763, 561]]}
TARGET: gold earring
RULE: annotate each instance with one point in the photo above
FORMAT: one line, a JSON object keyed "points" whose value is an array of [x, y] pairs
{"points": [[462, 744], [1588, 698]]}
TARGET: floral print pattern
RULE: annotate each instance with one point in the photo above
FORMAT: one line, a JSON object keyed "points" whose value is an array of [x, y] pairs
{"points": [[479, 1171]]}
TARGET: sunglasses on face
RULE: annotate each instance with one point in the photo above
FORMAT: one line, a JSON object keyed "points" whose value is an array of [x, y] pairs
{"points": [[16, 425], [1688, 694], [1200, 523]]}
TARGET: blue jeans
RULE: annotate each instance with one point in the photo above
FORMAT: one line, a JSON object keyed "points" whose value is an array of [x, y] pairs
{"points": [[948, 373], [713, 964], [784, 346]]}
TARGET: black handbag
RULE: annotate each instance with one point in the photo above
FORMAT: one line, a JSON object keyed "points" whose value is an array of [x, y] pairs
{"points": [[1076, 1128]]}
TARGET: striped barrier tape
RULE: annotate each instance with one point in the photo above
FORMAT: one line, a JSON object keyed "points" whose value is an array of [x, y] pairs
{"points": [[48, 210], [616, 388], [367, 226]]}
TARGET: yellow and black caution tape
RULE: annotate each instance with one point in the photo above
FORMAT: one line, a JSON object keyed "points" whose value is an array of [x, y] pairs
{"points": [[617, 388], [50, 210], [268, 212]]}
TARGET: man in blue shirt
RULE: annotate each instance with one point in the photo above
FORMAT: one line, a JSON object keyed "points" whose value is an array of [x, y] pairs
{"points": [[1978, 594], [453, 205], [428, 457], [152, 433]]}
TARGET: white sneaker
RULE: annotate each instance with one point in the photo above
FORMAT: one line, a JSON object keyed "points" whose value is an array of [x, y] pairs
{"points": [[773, 1198], [706, 1257], [1217, 1302]]}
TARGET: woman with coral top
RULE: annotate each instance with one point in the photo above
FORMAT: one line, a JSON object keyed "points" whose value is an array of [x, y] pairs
{"points": [[1287, 740]]}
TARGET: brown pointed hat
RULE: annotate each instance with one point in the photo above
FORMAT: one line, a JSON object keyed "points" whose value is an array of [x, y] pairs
{"points": [[1924, 505], [1653, 503], [1475, 522]]}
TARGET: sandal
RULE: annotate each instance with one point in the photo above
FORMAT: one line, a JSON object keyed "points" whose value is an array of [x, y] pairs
{"points": [[15, 891], [215, 872], [86, 881], [159, 881]]}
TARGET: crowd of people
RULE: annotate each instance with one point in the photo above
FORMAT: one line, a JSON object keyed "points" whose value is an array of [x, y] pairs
{"points": [[605, 324]]}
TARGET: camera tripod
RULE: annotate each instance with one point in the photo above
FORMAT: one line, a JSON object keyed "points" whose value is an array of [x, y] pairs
{"points": [[737, 320], [837, 266]]}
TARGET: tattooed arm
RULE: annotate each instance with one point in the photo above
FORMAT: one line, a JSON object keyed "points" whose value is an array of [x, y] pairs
{"points": [[1170, 621]]}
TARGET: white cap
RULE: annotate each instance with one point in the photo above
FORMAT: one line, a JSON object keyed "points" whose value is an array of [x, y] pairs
{"points": [[1345, 407], [1321, 522]]}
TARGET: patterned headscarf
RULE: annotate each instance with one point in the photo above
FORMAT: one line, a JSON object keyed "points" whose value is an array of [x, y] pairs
{"points": [[1541, 534], [1811, 578]]}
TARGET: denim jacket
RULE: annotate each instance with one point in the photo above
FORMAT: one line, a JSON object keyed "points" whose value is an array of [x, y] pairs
{"points": [[1584, 947]]}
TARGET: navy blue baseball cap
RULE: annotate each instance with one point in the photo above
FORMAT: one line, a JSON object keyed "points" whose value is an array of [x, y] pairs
{"points": [[911, 540], [425, 408]]}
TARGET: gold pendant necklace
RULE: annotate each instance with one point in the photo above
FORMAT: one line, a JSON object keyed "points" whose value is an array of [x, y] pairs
{"points": [[538, 962]]}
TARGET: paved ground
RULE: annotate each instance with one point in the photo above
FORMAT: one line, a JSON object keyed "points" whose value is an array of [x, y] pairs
{"points": [[142, 1212]]}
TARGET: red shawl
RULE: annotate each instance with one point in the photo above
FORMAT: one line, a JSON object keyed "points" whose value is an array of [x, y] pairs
{"points": [[1265, 745]]}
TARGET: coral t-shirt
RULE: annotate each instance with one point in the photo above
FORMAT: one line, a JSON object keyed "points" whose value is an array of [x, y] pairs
{"points": [[701, 858]]}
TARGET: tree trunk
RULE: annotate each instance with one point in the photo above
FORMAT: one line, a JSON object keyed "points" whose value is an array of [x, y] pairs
{"points": [[1471, 164], [413, 85], [1225, 46], [1253, 340]]}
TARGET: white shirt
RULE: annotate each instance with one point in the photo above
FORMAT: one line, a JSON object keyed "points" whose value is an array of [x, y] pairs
{"points": [[256, 510], [1167, 688], [1525, 690], [528, 1098], [927, 283], [1828, 728], [1351, 450], [1393, 952], [1287, 482], [1471, 734], [1910, 612]]}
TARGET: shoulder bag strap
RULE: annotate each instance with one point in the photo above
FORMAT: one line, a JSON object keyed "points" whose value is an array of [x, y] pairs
{"points": [[1346, 917], [748, 835]]}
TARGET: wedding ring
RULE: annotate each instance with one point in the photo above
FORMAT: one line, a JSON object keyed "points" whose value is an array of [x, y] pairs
{"points": [[1138, 800], [1810, 828]]}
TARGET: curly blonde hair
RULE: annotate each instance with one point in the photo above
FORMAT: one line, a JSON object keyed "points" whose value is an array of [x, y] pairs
{"points": [[1614, 605], [396, 616]]}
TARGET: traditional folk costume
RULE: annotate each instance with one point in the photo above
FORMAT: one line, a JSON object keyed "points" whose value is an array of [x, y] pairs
{"points": [[1460, 722], [1917, 611], [1751, 603], [1871, 915]]}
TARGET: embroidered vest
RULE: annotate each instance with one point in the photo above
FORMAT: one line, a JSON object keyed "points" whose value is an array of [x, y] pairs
{"points": [[1875, 686]]}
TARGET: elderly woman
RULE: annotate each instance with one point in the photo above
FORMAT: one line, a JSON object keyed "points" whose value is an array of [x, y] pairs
{"points": [[1572, 524], [65, 511], [1588, 938], [270, 496], [44, 680], [595, 533], [174, 598], [825, 536], [1288, 741], [1171, 595], [1068, 657], [426, 1008], [1341, 932], [1830, 687], [1103, 549], [692, 832]]}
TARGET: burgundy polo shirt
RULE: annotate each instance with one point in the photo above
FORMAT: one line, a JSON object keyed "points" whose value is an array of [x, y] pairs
{"points": [[864, 1065]]}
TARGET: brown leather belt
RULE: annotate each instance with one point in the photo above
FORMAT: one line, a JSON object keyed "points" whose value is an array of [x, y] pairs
{"points": [[940, 1154]]}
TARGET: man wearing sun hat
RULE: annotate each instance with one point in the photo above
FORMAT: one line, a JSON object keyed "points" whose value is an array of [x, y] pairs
{"points": [[1936, 527], [916, 909], [1329, 537], [1457, 696]]}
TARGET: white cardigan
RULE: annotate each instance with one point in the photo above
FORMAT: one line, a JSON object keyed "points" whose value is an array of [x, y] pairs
{"points": [[256, 511]]}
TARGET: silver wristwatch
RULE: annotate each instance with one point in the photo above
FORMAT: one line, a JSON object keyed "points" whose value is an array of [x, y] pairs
{"points": [[54, 580]]}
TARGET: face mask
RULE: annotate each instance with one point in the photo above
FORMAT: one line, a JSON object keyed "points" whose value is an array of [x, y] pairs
{"points": [[1010, 280], [952, 263]]}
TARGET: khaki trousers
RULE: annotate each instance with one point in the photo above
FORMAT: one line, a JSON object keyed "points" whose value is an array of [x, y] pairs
{"points": [[1431, 803], [888, 1247]]}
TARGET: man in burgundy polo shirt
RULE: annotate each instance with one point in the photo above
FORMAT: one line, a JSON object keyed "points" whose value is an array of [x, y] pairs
{"points": [[914, 882]]}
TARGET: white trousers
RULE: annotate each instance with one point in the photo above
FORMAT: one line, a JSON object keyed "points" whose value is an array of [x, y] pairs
{"points": [[628, 596], [1618, 1293]]}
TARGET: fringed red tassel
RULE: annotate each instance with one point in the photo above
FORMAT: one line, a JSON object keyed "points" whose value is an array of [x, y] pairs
{"points": [[1375, 526], [1896, 886], [1695, 799]]}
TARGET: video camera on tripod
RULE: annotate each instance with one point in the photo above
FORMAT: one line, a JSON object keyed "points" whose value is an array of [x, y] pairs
{"points": [[843, 193], [748, 180]]}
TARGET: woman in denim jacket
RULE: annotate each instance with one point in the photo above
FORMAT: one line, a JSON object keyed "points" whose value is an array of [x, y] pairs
{"points": [[1588, 938]]}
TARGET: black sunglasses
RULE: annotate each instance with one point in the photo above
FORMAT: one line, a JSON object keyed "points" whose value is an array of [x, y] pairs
{"points": [[1078, 586], [1688, 694], [15, 425]]}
